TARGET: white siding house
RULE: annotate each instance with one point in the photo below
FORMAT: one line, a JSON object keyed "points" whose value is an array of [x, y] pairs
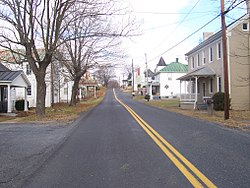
{"points": [[168, 86]]}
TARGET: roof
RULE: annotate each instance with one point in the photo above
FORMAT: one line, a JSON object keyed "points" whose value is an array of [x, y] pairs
{"points": [[161, 62], [14, 78], [200, 72], [175, 67], [150, 73], [212, 38], [9, 76]]}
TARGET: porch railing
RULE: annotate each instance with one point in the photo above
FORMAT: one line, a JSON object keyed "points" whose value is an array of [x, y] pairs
{"points": [[187, 97]]}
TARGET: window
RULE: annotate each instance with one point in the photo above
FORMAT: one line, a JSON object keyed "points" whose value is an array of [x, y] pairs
{"points": [[29, 90], [203, 58], [203, 89], [219, 50], [192, 62], [211, 85], [218, 84], [210, 54], [28, 69], [198, 60], [245, 26]]}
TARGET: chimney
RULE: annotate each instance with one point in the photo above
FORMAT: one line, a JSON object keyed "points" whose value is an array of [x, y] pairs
{"points": [[206, 35], [177, 60]]}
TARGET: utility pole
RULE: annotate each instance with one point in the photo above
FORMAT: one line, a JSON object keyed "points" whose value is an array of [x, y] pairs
{"points": [[146, 62], [133, 76], [225, 61]]}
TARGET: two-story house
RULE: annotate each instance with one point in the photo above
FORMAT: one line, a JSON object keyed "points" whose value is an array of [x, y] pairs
{"points": [[205, 74]]}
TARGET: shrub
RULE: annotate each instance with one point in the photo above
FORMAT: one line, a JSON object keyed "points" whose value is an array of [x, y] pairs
{"points": [[19, 105], [147, 97], [218, 100]]}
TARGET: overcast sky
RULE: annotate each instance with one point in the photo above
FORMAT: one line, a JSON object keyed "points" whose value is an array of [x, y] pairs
{"points": [[166, 23]]}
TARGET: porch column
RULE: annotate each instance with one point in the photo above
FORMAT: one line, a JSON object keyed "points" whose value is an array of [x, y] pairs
{"points": [[196, 91], [80, 93], [94, 91], [180, 89], [8, 100], [150, 92], [190, 89], [185, 88], [25, 100]]}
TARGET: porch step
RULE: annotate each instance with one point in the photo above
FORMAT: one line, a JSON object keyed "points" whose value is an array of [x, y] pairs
{"points": [[201, 106]]}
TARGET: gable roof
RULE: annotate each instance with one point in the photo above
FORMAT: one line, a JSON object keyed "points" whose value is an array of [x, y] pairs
{"points": [[9, 76], [14, 78], [161, 62], [212, 38], [175, 67], [150, 73]]}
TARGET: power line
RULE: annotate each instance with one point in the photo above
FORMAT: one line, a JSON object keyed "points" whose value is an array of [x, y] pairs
{"points": [[230, 8], [182, 21], [185, 38], [172, 13], [161, 26]]}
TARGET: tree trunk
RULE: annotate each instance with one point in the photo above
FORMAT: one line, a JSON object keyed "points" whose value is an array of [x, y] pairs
{"points": [[41, 94], [74, 91]]}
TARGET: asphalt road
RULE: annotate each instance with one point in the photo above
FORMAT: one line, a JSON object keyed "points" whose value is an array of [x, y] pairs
{"points": [[109, 148]]}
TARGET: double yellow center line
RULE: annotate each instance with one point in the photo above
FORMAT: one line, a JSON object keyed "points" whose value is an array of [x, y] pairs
{"points": [[194, 176]]}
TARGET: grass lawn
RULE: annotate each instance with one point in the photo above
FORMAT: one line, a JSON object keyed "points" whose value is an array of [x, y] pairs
{"points": [[59, 112], [238, 119]]}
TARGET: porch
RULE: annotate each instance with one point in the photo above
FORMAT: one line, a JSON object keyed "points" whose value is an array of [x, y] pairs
{"points": [[198, 88], [9, 82]]}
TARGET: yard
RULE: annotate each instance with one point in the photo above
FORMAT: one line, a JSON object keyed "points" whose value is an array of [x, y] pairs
{"points": [[238, 119], [59, 112]]}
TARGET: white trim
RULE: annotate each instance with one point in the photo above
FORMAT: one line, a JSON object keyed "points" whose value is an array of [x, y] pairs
{"points": [[228, 61], [8, 99]]}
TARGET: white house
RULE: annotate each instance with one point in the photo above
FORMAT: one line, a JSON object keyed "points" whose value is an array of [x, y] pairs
{"points": [[165, 83], [10, 82]]}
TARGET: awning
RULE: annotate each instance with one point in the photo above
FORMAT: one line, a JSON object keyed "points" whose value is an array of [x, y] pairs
{"points": [[200, 72]]}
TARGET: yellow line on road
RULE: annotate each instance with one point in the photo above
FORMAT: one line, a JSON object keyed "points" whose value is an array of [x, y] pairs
{"points": [[170, 151]]}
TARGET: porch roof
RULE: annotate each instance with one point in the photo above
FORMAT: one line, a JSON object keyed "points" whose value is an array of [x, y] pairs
{"points": [[200, 72], [14, 78]]}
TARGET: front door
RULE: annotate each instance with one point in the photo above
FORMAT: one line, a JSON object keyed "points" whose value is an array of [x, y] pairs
{"points": [[203, 89], [3, 99]]}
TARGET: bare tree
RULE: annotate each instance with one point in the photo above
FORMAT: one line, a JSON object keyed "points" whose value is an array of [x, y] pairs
{"points": [[30, 30], [95, 41], [104, 74]]}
